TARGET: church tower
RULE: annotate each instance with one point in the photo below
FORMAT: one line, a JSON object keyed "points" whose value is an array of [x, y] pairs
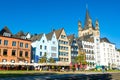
{"points": [[89, 28]]}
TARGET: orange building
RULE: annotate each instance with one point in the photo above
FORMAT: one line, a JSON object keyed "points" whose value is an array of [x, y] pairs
{"points": [[14, 48]]}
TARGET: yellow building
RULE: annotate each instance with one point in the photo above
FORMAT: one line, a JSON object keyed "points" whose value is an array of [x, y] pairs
{"points": [[64, 48]]}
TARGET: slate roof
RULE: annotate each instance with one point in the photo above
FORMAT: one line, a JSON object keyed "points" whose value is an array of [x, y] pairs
{"points": [[58, 32], [49, 35], [70, 38], [36, 37], [87, 38], [5, 29], [104, 40]]}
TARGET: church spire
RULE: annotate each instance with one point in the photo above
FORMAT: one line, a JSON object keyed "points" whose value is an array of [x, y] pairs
{"points": [[88, 21]]}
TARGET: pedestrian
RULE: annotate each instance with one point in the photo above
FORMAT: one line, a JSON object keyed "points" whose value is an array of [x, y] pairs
{"points": [[103, 69]]}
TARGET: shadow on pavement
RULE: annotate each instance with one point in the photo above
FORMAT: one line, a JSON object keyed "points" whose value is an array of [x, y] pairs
{"points": [[55, 76]]}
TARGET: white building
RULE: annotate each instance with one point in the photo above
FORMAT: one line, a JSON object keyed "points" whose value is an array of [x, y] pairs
{"points": [[52, 45], [42, 45], [108, 53], [117, 58], [87, 45]]}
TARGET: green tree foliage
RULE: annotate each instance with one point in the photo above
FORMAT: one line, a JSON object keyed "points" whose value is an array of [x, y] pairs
{"points": [[43, 59], [51, 60], [118, 50], [81, 59]]}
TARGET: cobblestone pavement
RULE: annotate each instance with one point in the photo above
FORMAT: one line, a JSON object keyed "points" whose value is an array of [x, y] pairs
{"points": [[89, 76]]}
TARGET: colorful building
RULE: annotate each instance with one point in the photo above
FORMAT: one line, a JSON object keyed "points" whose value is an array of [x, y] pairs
{"points": [[64, 48], [14, 49], [44, 44]]}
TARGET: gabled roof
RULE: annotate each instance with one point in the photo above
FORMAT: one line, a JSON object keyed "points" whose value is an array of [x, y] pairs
{"points": [[20, 33], [58, 32], [36, 37], [49, 35], [104, 40], [5, 29], [70, 38]]}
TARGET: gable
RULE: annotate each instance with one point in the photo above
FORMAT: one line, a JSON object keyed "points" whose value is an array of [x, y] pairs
{"points": [[63, 35]]}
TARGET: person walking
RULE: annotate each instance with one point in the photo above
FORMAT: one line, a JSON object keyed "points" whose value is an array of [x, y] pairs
{"points": [[103, 69]]}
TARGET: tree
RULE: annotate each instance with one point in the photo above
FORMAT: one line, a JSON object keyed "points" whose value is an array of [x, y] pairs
{"points": [[118, 50], [51, 60], [81, 59], [43, 59]]}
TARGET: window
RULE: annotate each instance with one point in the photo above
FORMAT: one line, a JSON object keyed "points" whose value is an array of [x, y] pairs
{"points": [[43, 41], [53, 48], [5, 52], [53, 42], [21, 44], [6, 34], [5, 42], [40, 53], [63, 36], [26, 45], [4, 60], [45, 47], [26, 54], [14, 43], [40, 46], [13, 61], [45, 54], [21, 53], [13, 52], [0, 41], [53, 54], [26, 61]]}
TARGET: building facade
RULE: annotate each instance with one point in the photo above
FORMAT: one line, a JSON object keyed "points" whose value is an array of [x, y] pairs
{"points": [[44, 44], [117, 59], [108, 53], [64, 48], [52, 45], [74, 47], [12, 49], [39, 47]]}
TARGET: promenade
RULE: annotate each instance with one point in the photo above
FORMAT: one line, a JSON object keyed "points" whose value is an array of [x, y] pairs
{"points": [[66, 76]]}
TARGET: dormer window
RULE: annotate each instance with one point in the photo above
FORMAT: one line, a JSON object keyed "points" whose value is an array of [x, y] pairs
{"points": [[6, 34], [23, 37]]}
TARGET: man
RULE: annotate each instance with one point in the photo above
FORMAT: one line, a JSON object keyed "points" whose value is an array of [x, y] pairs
{"points": [[103, 69]]}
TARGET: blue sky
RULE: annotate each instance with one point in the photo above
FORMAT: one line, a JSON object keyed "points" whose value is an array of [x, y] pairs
{"points": [[41, 16]]}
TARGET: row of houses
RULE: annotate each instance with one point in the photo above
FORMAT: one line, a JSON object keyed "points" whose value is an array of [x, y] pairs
{"points": [[26, 48]]}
